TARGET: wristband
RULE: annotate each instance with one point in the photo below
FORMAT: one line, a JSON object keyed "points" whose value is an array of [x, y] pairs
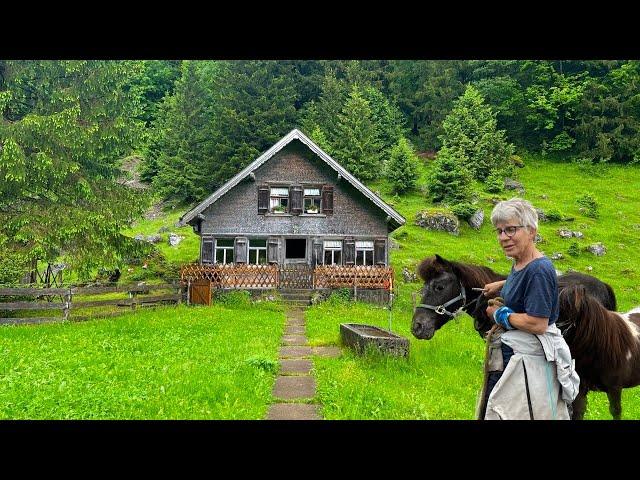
{"points": [[501, 317]]}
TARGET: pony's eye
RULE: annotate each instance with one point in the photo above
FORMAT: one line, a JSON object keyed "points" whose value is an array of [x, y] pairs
{"points": [[438, 288]]}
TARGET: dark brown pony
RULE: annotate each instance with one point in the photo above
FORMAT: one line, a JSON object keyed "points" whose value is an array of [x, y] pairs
{"points": [[605, 345]]}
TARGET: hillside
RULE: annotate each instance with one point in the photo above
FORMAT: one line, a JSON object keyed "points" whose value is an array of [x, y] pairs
{"points": [[549, 185]]}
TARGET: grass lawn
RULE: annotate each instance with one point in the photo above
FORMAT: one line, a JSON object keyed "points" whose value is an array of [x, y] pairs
{"points": [[180, 362], [439, 380]]}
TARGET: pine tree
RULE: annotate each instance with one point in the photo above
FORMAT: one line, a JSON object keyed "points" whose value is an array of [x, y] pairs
{"points": [[470, 135], [450, 182], [357, 145], [402, 169]]}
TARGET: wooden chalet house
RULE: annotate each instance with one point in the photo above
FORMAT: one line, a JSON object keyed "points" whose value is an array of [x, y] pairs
{"points": [[294, 211]]}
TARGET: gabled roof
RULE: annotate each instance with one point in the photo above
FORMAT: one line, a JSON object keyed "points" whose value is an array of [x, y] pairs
{"points": [[294, 134]]}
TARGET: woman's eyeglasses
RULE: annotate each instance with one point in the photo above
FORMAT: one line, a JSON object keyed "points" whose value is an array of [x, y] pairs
{"points": [[509, 231]]}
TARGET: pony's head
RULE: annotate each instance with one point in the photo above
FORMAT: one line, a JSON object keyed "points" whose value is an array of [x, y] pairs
{"points": [[439, 297]]}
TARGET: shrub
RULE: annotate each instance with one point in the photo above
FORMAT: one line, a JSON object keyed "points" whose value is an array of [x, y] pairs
{"points": [[574, 249], [494, 183], [553, 215], [464, 210], [340, 295], [234, 298], [589, 205]]}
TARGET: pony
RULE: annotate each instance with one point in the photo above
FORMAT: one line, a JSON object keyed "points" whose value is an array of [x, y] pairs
{"points": [[449, 289], [605, 345]]}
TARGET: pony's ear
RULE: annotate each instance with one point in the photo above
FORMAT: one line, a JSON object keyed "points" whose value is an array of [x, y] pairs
{"points": [[442, 261]]}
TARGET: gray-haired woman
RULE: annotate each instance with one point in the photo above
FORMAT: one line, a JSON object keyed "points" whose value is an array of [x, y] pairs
{"points": [[537, 379]]}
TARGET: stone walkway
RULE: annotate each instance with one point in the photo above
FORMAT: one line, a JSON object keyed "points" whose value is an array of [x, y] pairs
{"points": [[295, 387]]}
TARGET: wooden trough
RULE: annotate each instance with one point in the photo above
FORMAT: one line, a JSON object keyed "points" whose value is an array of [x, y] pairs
{"points": [[358, 336]]}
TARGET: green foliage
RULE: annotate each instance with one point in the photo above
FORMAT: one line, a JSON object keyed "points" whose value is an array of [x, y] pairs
{"points": [[425, 91], [553, 215], [265, 364], [449, 182], [590, 205], [470, 135], [234, 298], [494, 183], [340, 296], [574, 249], [464, 210], [402, 168], [64, 127], [357, 145]]}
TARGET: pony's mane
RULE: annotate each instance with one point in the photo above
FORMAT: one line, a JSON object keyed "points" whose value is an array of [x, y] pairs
{"points": [[595, 326], [469, 275]]}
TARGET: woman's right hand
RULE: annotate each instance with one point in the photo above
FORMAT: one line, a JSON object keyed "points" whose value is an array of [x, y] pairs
{"points": [[493, 289]]}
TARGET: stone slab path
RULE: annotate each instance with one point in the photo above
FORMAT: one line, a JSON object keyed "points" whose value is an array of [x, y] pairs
{"points": [[295, 386]]}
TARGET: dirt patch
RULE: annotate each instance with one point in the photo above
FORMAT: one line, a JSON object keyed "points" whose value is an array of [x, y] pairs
{"points": [[131, 178]]}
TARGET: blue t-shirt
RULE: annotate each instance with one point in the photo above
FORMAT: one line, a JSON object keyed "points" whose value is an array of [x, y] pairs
{"points": [[533, 290]]}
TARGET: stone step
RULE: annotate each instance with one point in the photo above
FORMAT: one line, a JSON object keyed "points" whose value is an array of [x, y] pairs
{"points": [[298, 303], [293, 411], [294, 387], [296, 296]]}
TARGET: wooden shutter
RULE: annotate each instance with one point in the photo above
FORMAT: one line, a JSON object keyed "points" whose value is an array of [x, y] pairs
{"points": [[263, 199], [327, 199], [317, 252], [379, 257], [241, 251], [272, 250], [295, 199], [207, 251], [349, 251]]}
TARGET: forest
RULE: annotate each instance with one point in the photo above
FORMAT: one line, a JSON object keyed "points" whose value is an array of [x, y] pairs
{"points": [[68, 128]]}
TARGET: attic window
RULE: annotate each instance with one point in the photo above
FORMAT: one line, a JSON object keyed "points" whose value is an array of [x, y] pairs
{"points": [[279, 200], [312, 200]]}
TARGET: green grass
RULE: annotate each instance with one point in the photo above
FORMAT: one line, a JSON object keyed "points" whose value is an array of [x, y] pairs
{"points": [[187, 251], [168, 363]]}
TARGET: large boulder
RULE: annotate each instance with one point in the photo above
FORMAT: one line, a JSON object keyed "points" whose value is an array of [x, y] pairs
{"points": [[598, 249], [476, 219], [510, 184], [438, 221]]}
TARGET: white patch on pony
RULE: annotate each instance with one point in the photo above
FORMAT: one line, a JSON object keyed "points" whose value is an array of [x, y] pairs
{"points": [[635, 331]]}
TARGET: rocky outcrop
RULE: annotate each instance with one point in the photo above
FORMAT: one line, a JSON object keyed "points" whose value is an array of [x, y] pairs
{"points": [[438, 221]]}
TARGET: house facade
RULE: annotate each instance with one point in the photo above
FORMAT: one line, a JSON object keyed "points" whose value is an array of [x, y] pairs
{"points": [[294, 205]]}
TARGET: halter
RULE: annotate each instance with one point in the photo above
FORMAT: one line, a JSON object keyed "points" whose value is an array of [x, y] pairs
{"points": [[442, 309]]}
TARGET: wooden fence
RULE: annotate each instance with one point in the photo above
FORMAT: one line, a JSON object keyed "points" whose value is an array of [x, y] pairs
{"points": [[233, 275], [268, 276], [360, 276], [63, 299]]}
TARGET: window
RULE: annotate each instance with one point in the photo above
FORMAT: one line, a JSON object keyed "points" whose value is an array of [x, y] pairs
{"points": [[312, 200], [364, 253], [258, 252], [224, 250], [279, 202], [332, 252]]}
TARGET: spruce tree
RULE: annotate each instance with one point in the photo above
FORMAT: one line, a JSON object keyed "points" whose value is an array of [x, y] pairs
{"points": [[402, 168], [450, 182], [470, 135], [357, 145]]}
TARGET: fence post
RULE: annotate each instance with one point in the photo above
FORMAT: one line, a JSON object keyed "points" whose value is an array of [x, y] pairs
{"points": [[67, 305], [133, 296], [189, 292]]}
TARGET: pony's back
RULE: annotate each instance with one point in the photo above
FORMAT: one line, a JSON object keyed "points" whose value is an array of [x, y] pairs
{"points": [[598, 289]]}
